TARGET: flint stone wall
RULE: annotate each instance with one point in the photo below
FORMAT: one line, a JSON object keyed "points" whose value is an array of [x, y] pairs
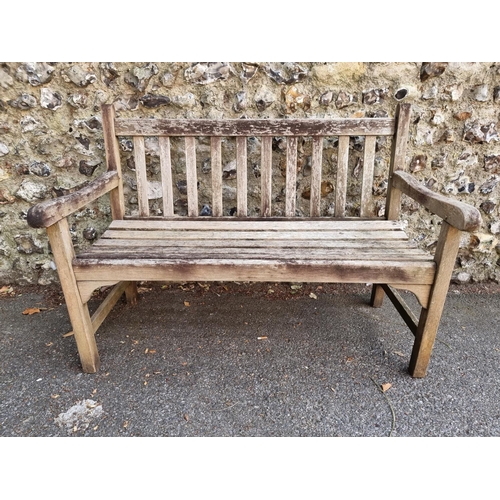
{"points": [[51, 136]]}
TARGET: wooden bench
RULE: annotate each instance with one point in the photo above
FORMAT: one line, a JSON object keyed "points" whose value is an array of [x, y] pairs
{"points": [[333, 238]]}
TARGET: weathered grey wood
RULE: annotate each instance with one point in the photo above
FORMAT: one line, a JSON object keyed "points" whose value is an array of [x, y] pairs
{"points": [[266, 176], [252, 235], [398, 158], [291, 176], [341, 183], [47, 213], [62, 249], [317, 161], [106, 306], [166, 176], [112, 150], [141, 175], [191, 177], [216, 163], [320, 271], [460, 215], [267, 127], [367, 181], [446, 253], [401, 306], [258, 224], [132, 293], [220, 248], [377, 296], [346, 245], [241, 176], [87, 288]]}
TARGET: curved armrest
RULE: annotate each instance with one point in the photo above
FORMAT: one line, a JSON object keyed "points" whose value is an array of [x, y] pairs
{"points": [[49, 212], [456, 213]]}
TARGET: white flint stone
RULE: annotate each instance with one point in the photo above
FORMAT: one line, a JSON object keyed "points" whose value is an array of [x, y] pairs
{"points": [[31, 191]]}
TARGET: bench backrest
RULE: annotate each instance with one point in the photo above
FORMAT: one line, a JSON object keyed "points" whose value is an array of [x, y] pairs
{"points": [[307, 167]]}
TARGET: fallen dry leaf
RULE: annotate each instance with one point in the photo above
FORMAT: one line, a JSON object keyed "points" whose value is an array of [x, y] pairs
{"points": [[313, 295], [386, 387], [186, 303], [186, 417], [6, 289], [31, 310]]}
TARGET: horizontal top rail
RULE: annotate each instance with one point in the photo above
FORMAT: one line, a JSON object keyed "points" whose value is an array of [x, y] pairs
{"points": [[243, 127]]}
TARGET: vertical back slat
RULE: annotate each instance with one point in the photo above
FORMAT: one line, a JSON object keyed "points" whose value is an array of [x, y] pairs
{"points": [[191, 177], [398, 154], [341, 188], [291, 176], [216, 159], [116, 197], [166, 176], [241, 176], [367, 181], [266, 176], [317, 158], [142, 180]]}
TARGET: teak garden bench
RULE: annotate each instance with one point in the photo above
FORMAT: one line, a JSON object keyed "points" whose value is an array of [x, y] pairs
{"points": [[352, 244]]}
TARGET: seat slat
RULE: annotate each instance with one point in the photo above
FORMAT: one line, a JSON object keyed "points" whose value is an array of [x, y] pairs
{"points": [[305, 244], [262, 235], [124, 250], [247, 224]]}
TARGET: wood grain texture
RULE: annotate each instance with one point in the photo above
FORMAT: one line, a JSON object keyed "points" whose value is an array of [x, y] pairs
{"points": [[398, 158], [291, 177], [445, 256], [216, 163], [191, 176], [367, 180], [141, 176], [316, 165], [460, 215], [241, 176], [341, 181], [266, 176], [112, 151], [49, 212], [62, 249], [166, 176], [266, 127]]}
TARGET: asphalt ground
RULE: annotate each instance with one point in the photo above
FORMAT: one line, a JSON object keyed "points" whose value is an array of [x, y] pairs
{"points": [[220, 359], [289, 361]]}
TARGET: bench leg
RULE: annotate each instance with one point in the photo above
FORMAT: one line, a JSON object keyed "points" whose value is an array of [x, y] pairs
{"points": [[377, 295], [62, 250], [446, 252], [132, 294]]}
